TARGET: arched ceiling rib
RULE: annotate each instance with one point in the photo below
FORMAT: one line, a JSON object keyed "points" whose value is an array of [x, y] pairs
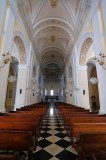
{"points": [[53, 49], [53, 21], [53, 30]]}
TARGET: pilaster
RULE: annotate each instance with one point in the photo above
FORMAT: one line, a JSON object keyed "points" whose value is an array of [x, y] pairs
{"points": [[101, 73], [83, 87], [21, 86]]}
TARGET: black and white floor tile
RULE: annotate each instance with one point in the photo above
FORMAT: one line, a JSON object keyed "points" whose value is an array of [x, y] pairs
{"points": [[53, 143]]}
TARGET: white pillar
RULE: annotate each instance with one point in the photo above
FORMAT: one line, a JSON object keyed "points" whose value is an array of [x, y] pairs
{"points": [[21, 86], [27, 88], [37, 77], [29, 73], [70, 97], [61, 91], [75, 77], [6, 46], [83, 87], [2, 13], [101, 73]]}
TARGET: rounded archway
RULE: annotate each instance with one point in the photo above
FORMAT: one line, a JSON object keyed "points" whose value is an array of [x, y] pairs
{"points": [[86, 59], [21, 49], [93, 87]]}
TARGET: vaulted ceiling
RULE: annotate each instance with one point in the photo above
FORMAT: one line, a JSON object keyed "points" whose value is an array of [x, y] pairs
{"points": [[53, 30]]}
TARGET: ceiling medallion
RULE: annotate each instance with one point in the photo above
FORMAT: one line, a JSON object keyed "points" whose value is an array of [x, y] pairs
{"points": [[53, 3], [53, 38], [52, 55]]}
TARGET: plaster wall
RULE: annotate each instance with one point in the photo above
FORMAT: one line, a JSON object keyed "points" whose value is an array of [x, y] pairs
{"points": [[83, 87], [21, 86], [2, 11], [101, 73], [6, 46]]}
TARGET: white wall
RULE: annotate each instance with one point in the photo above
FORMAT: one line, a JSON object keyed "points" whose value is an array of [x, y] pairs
{"points": [[101, 73], [6, 46]]}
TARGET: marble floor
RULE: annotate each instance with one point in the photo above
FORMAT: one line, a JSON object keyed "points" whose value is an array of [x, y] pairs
{"points": [[53, 143]]}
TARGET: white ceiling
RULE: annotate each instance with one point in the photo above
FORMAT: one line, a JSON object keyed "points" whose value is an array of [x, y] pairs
{"points": [[54, 30]]}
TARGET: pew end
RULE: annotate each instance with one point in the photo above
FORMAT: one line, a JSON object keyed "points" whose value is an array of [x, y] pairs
{"points": [[17, 141], [92, 145]]}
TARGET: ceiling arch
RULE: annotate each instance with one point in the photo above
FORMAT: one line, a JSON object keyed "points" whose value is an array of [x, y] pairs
{"points": [[54, 29], [57, 28], [53, 21], [53, 48]]}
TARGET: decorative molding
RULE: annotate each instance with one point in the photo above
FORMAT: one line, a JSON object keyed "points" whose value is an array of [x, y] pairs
{"points": [[62, 30], [84, 51], [53, 48], [54, 3], [42, 3], [13, 6], [54, 41], [69, 11], [53, 38], [37, 27], [83, 67], [21, 49], [70, 72], [61, 23]]}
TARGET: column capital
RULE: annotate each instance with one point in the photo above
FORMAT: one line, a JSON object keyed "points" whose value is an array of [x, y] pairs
{"points": [[23, 66], [83, 67]]}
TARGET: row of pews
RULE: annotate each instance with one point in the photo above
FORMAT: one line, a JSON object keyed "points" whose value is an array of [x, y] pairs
{"points": [[87, 131], [19, 131]]}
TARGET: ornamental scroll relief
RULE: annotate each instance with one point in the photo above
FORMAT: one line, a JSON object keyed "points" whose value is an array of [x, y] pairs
{"points": [[70, 72], [21, 49], [84, 51]]}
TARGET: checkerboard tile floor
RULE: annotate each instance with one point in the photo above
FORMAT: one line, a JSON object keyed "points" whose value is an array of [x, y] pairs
{"points": [[53, 143]]}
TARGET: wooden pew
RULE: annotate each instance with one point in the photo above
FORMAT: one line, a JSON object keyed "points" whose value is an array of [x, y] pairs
{"points": [[29, 115], [81, 122], [92, 144], [17, 141], [11, 156], [78, 128], [20, 126], [66, 117], [84, 120], [23, 119]]}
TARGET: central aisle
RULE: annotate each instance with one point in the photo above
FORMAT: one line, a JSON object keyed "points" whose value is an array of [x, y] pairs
{"points": [[54, 144]]}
